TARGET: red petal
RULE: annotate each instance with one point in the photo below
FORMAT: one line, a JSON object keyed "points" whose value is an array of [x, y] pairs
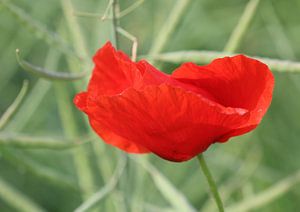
{"points": [[82, 102], [113, 72], [113, 139], [234, 82], [137, 108], [170, 122], [151, 76]]}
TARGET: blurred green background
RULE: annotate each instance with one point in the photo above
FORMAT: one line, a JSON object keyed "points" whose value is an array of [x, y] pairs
{"points": [[254, 172]]}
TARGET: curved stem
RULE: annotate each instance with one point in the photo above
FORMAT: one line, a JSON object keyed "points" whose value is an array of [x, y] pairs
{"points": [[211, 182]]}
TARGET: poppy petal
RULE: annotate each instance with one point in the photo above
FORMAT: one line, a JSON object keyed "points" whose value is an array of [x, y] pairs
{"points": [[137, 108], [113, 72], [236, 81], [81, 101], [113, 139], [150, 75], [169, 121]]}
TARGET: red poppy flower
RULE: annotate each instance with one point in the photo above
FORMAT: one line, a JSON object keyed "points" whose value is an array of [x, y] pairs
{"points": [[137, 108]]}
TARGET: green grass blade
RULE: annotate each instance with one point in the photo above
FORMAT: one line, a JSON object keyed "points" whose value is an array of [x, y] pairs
{"points": [[205, 57], [29, 107], [107, 9], [39, 30], [75, 31], [34, 98], [29, 142], [283, 46], [107, 189], [238, 178], [81, 160], [15, 199], [80, 156], [267, 196], [14, 106], [153, 208], [242, 26], [105, 16], [131, 8], [167, 189], [169, 26], [22, 162]]}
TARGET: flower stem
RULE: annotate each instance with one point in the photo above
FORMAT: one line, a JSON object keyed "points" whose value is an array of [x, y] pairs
{"points": [[115, 21], [211, 182]]}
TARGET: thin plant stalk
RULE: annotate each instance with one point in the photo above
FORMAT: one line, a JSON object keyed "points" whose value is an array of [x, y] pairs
{"points": [[81, 160], [47, 74], [204, 57], [107, 189], [268, 195], [168, 27], [105, 15], [115, 22], [242, 26], [211, 182], [134, 42], [14, 106], [16, 199]]}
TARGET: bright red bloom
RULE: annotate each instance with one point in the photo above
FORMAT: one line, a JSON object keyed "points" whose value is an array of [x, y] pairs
{"points": [[135, 107]]}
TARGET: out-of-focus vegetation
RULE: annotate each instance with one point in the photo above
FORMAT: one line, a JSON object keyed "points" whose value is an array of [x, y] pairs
{"points": [[51, 161]]}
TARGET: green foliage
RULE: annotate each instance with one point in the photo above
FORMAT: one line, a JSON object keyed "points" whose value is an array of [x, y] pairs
{"points": [[50, 160]]}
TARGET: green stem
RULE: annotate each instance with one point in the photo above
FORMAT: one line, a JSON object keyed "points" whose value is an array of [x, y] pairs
{"points": [[211, 182], [47, 74], [115, 22], [168, 27], [242, 26], [270, 194], [204, 57], [14, 106], [16, 199]]}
